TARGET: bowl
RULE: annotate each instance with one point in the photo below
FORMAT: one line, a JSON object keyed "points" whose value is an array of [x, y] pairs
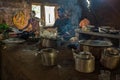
{"points": [[114, 31], [104, 29]]}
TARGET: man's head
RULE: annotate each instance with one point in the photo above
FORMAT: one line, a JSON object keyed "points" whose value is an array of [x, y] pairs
{"points": [[61, 12], [33, 14]]}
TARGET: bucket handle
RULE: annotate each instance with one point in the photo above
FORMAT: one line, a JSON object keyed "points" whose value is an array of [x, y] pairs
{"points": [[75, 54], [40, 52]]}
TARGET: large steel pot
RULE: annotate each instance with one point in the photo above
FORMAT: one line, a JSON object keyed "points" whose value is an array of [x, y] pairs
{"points": [[49, 56], [96, 47], [84, 62], [45, 42], [110, 58]]}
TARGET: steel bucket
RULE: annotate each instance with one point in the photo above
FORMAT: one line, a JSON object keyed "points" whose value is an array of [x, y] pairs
{"points": [[110, 58], [84, 62], [49, 43], [49, 56]]}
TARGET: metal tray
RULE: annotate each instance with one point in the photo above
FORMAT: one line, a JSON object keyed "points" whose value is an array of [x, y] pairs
{"points": [[100, 43]]}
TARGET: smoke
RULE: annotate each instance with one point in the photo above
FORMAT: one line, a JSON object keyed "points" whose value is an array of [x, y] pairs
{"points": [[72, 9]]}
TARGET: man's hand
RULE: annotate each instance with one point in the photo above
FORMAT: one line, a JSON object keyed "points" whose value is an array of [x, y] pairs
{"points": [[68, 33]]}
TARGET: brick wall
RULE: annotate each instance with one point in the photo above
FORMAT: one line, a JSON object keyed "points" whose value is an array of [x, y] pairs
{"points": [[8, 9]]}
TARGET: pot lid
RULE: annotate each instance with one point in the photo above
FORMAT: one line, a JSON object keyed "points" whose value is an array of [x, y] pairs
{"points": [[85, 55], [95, 43]]}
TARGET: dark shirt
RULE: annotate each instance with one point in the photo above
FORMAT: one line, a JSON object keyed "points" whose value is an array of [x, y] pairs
{"points": [[35, 27], [35, 23], [61, 25], [64, 25]]}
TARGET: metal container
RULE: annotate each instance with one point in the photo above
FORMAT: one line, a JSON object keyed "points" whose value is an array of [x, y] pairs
{"points": [[110, 58], [45, 42], [84, 62], [49, 56]]}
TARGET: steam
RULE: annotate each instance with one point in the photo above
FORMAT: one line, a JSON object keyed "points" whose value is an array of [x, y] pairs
{"points": [[72, 9]]}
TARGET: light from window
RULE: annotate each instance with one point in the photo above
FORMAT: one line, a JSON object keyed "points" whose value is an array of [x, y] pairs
{"points": [[49, 15]]}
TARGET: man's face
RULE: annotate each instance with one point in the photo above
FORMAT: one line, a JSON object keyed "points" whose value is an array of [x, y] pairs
{"points": [[60, 13], [32, 14]]}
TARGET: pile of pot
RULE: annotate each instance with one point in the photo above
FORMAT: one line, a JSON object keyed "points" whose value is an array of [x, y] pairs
{"points": [[84, 62], [49, 56], [110, 58]]}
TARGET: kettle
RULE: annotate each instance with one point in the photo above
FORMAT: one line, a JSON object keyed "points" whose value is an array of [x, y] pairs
{"points": [[49, 56], [84, 62], [110, 58]]}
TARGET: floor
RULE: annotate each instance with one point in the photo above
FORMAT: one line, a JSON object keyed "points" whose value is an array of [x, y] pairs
{"points": [[21, 62]]}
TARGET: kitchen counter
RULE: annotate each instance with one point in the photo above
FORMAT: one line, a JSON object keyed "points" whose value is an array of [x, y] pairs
{"points": [[104, 35], [20, 62], [116, 36]]}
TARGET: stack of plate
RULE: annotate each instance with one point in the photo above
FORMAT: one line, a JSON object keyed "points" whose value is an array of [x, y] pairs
{"points": [[13, 40]]}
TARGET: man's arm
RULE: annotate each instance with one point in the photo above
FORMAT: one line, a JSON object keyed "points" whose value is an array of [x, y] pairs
{"points": [[56, 24]]}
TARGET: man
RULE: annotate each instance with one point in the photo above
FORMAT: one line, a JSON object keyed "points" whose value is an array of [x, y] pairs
{"points": [[34, 21], [32, 29], [83, 25], [64, 27]]}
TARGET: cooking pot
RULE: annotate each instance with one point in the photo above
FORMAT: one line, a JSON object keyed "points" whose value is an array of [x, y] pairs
{"points": [[84, 62], [110, 58], [49, 56], [45, 42]]}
